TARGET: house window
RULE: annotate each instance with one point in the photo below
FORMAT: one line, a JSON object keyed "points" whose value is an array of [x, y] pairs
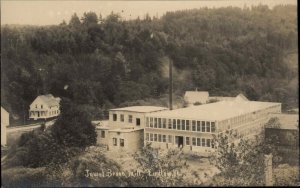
{"points": [[208, 142], [182, 124], [138, 121], [151, 137], [203, 142], [147, 136], [102, 134], [203, 126], [193, 125], [122, 142], [155, 122], [114, 117], [207, 126], [147, 122], [155, 137], [151, 122], [169, 123], [187, 140], [115, 143], [178, 124], [122, 117], [187, 125], [159, 137], [194, 141], [36, 106], [213, 127], [164, 138], [174, 123], [41, 106], [159, 122], [164, 123], [198, 142], [198, 126], [170, 139], [129, 118]]}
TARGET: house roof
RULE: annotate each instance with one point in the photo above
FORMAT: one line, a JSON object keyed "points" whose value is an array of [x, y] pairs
{"points": [[287, 121], [50, 100], [215, 111], [196, 96], [141, 109]]}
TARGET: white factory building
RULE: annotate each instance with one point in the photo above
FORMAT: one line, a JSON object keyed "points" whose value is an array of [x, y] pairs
{"points": [[190, 128]]}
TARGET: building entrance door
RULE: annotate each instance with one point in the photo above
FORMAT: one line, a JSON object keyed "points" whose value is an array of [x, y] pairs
{"points": [[179, 140]]}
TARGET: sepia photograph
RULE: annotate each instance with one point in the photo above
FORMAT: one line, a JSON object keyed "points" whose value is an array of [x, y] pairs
{"points": [[145, 93]]}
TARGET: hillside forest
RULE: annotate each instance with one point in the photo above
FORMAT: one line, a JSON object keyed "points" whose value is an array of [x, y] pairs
{"points": [[103, 62]]}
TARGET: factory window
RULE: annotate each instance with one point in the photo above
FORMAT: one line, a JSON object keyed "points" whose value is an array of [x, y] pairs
{"points": [[169, 123], [203, 142], [102, 134], [178, 124], [122, 142], [170, 139], [114, 117], [164, 138], [182, 124], [187, 140], [208, 142], [115, 143], [213, 127], [207, 126], [155, 122], [147, 136], [203, 126], [174, 123], [155, 137], [147, 122], [122, 117], [164, 123], [138, 121], [151, 122], [198, 126], [159, 122], [187, 125], [151, 137], [198, 142], [194, 141], [193, 125], [130, 118], [159, 137]]}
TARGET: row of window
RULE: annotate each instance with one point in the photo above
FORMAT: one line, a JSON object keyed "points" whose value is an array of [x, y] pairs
{"points": [[189, 141], [180, 124], [53, 112], [122, 119], [115, 142]]}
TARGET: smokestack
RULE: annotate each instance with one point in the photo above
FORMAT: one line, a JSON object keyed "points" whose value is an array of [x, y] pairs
{"points": [[170, 84]]}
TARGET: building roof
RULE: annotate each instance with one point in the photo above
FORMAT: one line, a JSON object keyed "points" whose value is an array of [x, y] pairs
{"points": [[287, 121], [141, 109], [215, 111], [196, 96], [50, 100]]}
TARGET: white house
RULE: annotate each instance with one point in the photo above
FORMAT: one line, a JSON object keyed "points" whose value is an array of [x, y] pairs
{"points": [[44, 106], [4, 124]]}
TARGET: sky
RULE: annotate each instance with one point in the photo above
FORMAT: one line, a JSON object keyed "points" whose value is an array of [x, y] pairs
{"points": [[41, 12]]}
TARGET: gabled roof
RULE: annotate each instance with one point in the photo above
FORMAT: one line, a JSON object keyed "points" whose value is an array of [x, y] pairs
{"points": [[142, 109], [196, 96], [50, 100]]}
